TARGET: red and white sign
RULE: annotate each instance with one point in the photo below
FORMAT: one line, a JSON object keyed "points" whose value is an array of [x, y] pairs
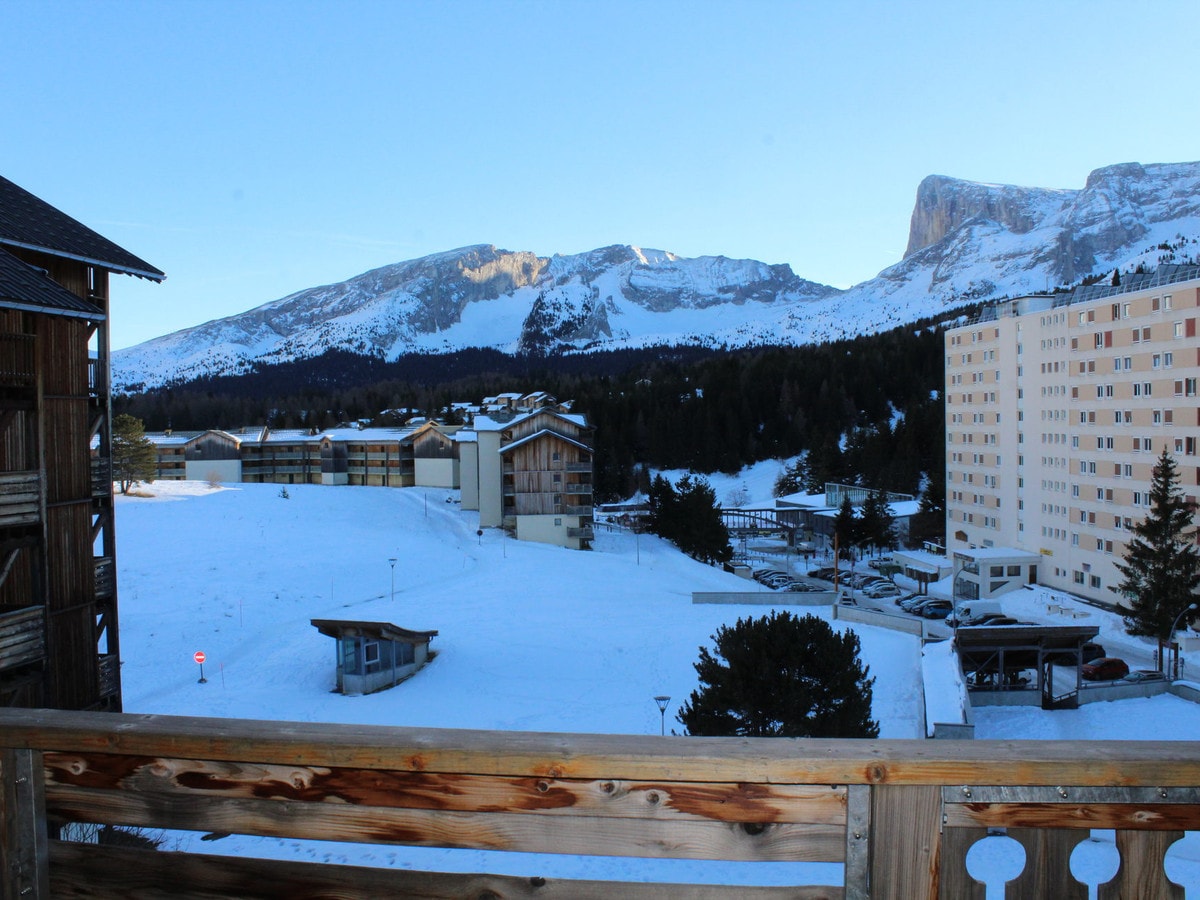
{"points": [[199, 657]]}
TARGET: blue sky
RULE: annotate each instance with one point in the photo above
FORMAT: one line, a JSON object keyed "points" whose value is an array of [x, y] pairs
{"points": [[251, 149]]}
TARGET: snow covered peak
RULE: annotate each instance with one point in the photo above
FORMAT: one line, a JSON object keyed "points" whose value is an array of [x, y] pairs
{"points": [[967, 241]]}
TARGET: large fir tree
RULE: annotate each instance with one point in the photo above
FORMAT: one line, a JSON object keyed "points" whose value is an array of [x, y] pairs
{"points": [[781, 676], [134, 457], [1161, 567]]}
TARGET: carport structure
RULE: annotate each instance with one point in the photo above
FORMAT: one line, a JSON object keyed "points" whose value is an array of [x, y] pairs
{"points": [[996, 654]]}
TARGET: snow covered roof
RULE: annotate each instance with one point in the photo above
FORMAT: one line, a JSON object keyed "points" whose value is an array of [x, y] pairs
{"points": [[338, 628], [488, 423], [545, 432], [172, 439], [996, 553]]}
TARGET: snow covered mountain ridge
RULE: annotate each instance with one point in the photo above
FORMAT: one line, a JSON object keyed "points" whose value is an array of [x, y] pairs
{"points": [[967, 241]]}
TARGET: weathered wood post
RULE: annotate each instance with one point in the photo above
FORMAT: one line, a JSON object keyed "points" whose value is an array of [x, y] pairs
{"points": [[24, 843]]}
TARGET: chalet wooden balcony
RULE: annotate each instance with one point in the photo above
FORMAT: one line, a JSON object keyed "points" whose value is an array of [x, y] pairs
{"points": [[898, 817], [102, 477], [20, 498], [22, 637], [17, 361], [105, 578], [110, 680]]}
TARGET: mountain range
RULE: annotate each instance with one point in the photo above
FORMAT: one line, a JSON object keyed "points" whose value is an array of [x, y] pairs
{"points": [[967, 242]]}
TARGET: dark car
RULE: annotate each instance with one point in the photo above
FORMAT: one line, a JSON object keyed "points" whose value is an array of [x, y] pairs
{"points": [[938, 609], [1106, 668]]}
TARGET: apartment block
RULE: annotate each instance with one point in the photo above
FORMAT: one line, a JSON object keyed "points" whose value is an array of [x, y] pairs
{"points": [[1057, 407]]}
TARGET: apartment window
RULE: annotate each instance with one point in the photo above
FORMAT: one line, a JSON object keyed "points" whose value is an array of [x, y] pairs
{"points": [[1168, 359], [1177, 330], [1156, 361], [1094, 580]]}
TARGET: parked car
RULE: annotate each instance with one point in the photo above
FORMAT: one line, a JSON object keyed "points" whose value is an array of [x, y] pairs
{"points": [[936, 609], [763, 574], [912, 602], [921, 602], [1088, 652], [1106, 668], [882, 591], [1139, 676], [880, 562]]}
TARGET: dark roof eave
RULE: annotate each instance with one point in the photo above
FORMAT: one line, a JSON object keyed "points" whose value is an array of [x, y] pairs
{"points": [[96, 316], [152, 273]]}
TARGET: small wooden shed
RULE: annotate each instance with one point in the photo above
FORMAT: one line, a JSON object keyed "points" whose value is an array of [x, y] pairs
{"points": [[373, 656]]}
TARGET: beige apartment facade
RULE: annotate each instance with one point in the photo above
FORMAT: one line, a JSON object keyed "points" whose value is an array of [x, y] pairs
{"points": [[1057, 407]]}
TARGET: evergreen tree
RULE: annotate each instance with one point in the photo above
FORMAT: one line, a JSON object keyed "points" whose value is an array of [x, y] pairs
{"points": [[781, 676], [134, 456], [688, 516], [929, 524], [876, 522], [1161, 567], [793, 479], [846, 526]]}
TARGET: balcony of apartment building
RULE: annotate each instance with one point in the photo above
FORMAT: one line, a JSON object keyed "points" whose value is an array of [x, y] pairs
{"points": [[20, 498], [889, 818]]}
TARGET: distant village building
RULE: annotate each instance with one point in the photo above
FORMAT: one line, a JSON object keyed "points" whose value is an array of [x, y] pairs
{"points": [[58, 590], [816, 513], [372, 656], [524, 462]]}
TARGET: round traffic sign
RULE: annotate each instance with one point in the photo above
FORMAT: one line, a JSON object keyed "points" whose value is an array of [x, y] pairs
{"points": [[199, 656]]}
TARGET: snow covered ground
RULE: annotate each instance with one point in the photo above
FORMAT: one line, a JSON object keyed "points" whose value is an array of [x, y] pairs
{"points": [[531, 637]]}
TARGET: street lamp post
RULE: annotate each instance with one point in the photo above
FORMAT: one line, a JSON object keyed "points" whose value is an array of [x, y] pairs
{"points": [[1191, 607], [392, 563], [662, 700]]}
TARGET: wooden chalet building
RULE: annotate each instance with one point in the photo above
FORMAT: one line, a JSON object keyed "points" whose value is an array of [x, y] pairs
{"points": [[528, 467], [58, 594]]}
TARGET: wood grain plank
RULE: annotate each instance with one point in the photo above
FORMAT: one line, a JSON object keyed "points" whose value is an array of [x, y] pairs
{"points": [[666, 838], [88, 871], [905, 841], [1047, 871], [954, 881], [627, 757], [1141, 873], [1149, 817], [729, 802]]}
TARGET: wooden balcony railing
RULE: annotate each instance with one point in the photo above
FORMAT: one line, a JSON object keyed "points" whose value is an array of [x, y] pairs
{"points": [[22, 637], [899, 816], [105, 577], [18, 367], [102, 477], [110, 674], [20, 498]]}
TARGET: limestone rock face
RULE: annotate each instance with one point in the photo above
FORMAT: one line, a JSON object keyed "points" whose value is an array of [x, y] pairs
{"points": [[945, 204]]}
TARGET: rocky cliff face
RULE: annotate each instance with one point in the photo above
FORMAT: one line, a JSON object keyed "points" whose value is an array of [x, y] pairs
{"points": [[1074, 232], [946, 204]]}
